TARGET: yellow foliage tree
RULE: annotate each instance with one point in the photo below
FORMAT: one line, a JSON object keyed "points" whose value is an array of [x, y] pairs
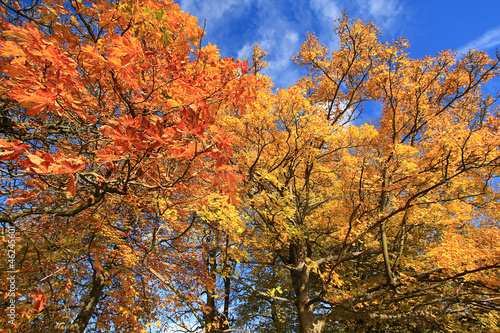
{"points": [[389, 223]]}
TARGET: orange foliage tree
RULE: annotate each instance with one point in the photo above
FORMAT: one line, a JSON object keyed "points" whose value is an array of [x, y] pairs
{"points": [[110, 145]]}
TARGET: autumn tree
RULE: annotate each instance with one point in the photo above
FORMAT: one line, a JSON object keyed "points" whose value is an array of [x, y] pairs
{"points": [[373, 226], [151, 182], [110, 147]]}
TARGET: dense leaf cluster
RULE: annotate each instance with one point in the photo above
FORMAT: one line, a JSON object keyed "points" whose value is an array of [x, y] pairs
{"points": [[155, 186]]}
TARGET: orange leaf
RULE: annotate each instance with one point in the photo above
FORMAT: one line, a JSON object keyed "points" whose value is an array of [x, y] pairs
{"points": [[73, 165], [10, 154], [70, 190], [34, 102], [20, 199], [15, 144], [11, 49], [34, 159], [66, 286], [40, 301]]}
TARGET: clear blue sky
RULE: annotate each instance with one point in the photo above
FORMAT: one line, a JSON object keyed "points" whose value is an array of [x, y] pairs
{"points": [[280, 26]]}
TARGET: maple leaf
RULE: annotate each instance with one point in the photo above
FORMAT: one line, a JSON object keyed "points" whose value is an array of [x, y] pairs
{"points": [[11, 49]]}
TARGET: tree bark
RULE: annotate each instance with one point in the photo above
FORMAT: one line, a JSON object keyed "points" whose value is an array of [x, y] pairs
{"points": [[211, 263], [80, 323], [227, 288], [300, 275]]}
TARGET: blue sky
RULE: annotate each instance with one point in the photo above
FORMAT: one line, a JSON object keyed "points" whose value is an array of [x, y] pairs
{"points": [[280, 26]]}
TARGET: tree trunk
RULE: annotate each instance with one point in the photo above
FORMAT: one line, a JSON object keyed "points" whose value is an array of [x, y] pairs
{"points": [[308, 322], [227, 289], [211, 262], [80, 323]]}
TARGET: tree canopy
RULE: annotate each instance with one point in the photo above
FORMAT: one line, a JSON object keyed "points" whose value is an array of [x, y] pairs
{"points": [[155, 186]]}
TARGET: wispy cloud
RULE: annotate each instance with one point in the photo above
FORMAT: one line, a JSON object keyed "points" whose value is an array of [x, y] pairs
{"points": [[384, 13], [327, 10], [281, 67], [213, 11], [487, 41], [275, 33], [279, 27]]}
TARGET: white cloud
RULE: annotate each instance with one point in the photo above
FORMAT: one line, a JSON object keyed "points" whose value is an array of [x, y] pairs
{"points": [[245, 52], [326, 9], [276, 33], [281, 43], [213, 11], [292, 37], [384, 13], [280, 26], [487, 41]]}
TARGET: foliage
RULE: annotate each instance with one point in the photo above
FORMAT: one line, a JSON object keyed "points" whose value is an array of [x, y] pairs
{"points": [[110, 145], [369, 226], [154, 185]]}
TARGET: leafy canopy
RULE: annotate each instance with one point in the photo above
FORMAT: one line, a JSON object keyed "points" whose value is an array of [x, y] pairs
{"points": [[154, 185]]}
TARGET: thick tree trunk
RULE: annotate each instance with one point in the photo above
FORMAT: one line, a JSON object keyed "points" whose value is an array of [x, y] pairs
{"points": [[83, 318], [308, 321]]}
